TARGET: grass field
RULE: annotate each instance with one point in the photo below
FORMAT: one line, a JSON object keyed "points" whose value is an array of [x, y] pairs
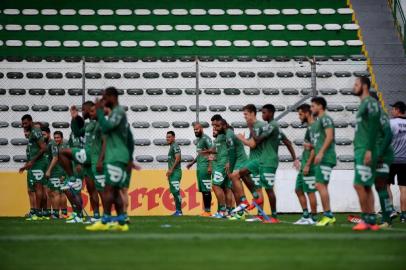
{"points": [[199, 243]]}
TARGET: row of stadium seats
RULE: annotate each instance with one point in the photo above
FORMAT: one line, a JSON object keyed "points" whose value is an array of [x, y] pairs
{"points": [[175, 12], [162, 142], [186, 74], [182, 124], [175, 91], [173, 108], [165, 59]]}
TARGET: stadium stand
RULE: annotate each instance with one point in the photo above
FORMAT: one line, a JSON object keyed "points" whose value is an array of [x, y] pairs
{"points": [[156, 52]]}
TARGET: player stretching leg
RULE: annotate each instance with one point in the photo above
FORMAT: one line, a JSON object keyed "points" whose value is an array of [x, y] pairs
{"points": [[366, 133], [252, 167], [55, 174], [36, 164], [306, 181], [322, 137], [203, 164], [80, 156], [174, 173], [269, 138]]}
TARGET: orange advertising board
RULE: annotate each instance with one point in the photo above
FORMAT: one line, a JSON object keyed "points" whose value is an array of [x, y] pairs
{"points": [[148, 194]]}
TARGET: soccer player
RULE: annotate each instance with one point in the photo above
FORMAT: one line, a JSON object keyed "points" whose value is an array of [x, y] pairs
{"points": [[30, 184], [237, 158], [36, 164], [398, 168], [174, 173], [366, 134], [323, 142], [204, 170], [46, 202], [252, 167], [221, 183], [306, 180], [116, 160], [269, 138], [385, 156], [55, 174], [81, 157]]}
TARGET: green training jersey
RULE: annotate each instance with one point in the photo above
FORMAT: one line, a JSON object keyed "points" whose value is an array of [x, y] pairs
{"points": [[54, 150], [318, 135], [383, 143], [235, 148], [173, 150], [256, 153], [367, 124], [306, 152], [271, 134], [88, 138], [221, 150], [203, 143], [115, 130], [33, 148], [97, 142]]}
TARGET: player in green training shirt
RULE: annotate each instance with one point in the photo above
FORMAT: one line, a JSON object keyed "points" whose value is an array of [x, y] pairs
{"points": [[306, 179], [203, 165], [385, 156], [237, 159], [221, 183], [250, 171], [55, 174], [79, 156], [46, 202], [323, 143], [36, 163], [365, 153], [174, 173], [116, 160]]}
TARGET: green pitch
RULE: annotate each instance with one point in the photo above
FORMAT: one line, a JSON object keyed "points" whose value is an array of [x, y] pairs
{"points": [[199, 243]]}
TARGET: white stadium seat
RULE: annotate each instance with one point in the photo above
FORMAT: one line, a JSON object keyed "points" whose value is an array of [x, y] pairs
{"points": [[183, 27], [241, 43], [239, 27], [147, 43], [317, 43], [271, 11], [354, 43], [308, 11], [185, 43], [179, 12], [127, 28], [166, 43], [33, 43], [11, 11], [313, 27], [87, 27], [142, 12], [51, 27], [160, 12], [332, 26], [67, 12], [201, 27], [216, 12], [276, 27], [222, 43], [32, 27], [71, 43], [327, 11], [279, 43], [128, 43], [345, 11], [204, 43], [108, 28], [290, 11], [49, 12], [90, 43], [86, 12], [105, 12], [234, 12], [109, 43], [52, 43], [295, 27], [30, 12], [14, 43], [253, 12], [335, 43], [123, 12], [198, 12], [297, 43], [260, 43], [220, 27], [70, 27]]}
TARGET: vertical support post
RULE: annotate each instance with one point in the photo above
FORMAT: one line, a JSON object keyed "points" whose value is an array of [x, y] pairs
{"points": [[83, 80], [197, 90], [313, 76]]}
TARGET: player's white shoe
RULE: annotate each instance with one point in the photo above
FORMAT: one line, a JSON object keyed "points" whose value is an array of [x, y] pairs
{"points": [[75, 219], [305, 221], [239, 208]]}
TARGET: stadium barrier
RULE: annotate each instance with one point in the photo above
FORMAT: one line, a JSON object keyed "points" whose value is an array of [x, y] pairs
{"points": [[149, 194]]}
